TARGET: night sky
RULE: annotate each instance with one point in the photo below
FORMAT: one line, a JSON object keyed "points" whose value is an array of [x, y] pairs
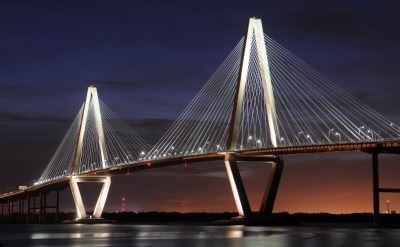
{"points": [[150, 58]]}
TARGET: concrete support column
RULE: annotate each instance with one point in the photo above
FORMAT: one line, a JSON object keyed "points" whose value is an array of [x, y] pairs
{"points": [[8, 211], [23, 214], [44, 207], [80, 207], [57, 205], [41, 208], [12, 211], [19, 210], [271, 189], [375, 187], [238, 190], [28, 210], [2, 212], [34, 209]]}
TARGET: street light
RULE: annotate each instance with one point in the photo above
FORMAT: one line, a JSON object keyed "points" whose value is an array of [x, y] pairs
{"points": [[329, 133], [371, 133], [359, 129], [298, 136], [309, 138], [338, 135], [282, 140]]}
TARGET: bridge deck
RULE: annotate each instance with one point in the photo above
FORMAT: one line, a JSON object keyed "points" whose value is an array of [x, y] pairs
{"points": [[369, 147]]}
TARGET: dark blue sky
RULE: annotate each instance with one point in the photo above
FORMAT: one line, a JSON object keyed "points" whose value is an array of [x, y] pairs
{"points": [[149, 58]]}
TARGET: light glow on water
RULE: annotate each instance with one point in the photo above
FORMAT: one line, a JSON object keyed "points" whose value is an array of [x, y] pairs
{"points": [[193, 235]]}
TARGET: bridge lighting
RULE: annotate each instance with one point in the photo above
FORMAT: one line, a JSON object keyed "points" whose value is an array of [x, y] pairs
{"points": [[172, 148], [298, 135], [360, 129], [218, 146], [338, 135], [142, 153], [309, 138], [372, 134], [250, 138]]}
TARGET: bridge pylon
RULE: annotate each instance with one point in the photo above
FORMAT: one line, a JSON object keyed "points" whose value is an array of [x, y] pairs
{"points": [[91, 104], [254, 37]]}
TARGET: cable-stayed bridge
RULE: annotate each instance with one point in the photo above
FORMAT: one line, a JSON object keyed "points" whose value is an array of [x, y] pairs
{"points": [[260, 104]]}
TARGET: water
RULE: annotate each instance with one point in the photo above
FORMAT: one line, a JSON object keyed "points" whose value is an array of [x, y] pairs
{"points": [[193, 235]]}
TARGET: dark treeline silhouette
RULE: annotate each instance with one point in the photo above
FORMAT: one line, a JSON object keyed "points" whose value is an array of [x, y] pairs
{"points": [[283, 218], [208, 218]]}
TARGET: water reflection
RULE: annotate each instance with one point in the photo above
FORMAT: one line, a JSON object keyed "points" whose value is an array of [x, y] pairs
{"points": [[193, 235]]}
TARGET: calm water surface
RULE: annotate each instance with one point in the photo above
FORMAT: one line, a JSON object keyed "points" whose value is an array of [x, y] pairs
{"points": [[193, 235]]}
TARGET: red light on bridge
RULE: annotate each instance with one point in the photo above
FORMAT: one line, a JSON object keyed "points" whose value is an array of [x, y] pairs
{"points": [[148, 164]]}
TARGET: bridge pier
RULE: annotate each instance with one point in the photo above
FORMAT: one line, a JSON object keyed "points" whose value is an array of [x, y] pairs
{"points": [[19, 210], [375, 187], [271, 189], [34, 209], [2, 212], [57, 206], [80, 207], [238, 190], [41, 196], [11, 211], [28, 209]]}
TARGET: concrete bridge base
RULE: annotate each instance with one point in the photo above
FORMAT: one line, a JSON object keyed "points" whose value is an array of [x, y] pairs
{"points": [[80, 207], [239, 191]]}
